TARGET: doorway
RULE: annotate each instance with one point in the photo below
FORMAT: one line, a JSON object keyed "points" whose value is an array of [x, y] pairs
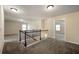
{"points": [[60, 29]]}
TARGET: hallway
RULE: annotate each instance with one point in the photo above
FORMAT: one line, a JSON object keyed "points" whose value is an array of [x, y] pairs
{"points": [[43, 29]]}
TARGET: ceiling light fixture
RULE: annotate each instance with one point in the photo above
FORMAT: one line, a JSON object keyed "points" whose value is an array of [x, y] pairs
{"points": [[50, 7], [14, 9]]}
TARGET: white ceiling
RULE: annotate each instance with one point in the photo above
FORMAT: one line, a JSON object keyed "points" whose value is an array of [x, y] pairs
{"points": [[37, 12]]}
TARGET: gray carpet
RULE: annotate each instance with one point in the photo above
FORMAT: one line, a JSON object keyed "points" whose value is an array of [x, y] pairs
{"points": [[48, 46]]}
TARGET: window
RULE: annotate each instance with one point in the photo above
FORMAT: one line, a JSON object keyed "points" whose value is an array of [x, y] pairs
{"points": [[57, 27], [23, 26]]}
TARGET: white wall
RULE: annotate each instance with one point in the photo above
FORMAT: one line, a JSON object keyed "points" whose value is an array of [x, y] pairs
{"points": [[48, 24], [1, 28], [35, 24], [12, 27], [72, 28]]}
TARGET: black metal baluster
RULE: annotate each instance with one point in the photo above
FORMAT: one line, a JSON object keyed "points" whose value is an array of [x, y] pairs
{"points": [[40, 34], [25, 39], [19, 35]]}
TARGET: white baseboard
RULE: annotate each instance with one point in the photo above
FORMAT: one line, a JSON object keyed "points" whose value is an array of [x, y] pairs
{"points": [[67, 41], [10, 34], [72, 42]]}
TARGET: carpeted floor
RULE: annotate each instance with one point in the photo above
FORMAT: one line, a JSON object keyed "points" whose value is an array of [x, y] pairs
{"points": [[48, 46]]}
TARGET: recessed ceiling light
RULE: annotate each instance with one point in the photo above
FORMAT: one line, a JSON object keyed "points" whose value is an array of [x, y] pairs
{"points": [[50, 7], [14, 9]]}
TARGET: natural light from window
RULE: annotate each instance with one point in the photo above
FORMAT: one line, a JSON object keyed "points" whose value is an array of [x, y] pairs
{"points": [[57, 27], [23, 26]]}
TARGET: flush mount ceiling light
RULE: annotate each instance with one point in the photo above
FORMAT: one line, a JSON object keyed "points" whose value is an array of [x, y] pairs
{"points": [[50, 7], [14, 9]]}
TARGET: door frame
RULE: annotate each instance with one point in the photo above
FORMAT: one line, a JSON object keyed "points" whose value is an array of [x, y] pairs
{"points": [[64, 27]]}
